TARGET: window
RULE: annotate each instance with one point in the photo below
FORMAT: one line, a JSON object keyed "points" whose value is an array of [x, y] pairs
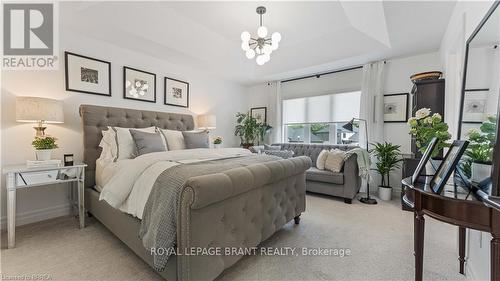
{"points": [[319, 119]]}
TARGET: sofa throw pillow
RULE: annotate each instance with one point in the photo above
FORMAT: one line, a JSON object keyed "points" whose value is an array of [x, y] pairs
{"points": [[125, 145], [320, 161], [174, 139], [335, 160], [196, 139], [147, 142]]}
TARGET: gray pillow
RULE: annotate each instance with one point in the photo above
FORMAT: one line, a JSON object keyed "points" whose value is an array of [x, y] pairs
{"points": [[147, 142], [272, 147], [196, 139]]}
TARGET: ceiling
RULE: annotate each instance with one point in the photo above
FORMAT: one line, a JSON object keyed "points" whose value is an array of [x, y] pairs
{"points": [[316, 36]]}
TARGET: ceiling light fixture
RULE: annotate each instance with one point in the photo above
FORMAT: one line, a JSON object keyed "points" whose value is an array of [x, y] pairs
{"points": [[262, 46]]}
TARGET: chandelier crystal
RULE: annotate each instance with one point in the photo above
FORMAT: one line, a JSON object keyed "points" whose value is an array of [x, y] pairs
{"points": [[262, 46]]}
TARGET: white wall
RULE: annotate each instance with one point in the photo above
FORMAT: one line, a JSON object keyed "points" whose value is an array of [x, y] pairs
{"points": [[208, 94], [465, 18]]}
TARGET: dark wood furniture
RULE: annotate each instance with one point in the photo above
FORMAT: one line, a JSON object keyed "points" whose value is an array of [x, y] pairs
{"points": [[427, 94], [408, 168], [466, 209]]}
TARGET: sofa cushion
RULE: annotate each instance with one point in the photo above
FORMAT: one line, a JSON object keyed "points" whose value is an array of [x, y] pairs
{"points": [[315, 174]]}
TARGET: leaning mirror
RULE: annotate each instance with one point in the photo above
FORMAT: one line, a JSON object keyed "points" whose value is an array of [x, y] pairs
{"points": [[479, 103]]}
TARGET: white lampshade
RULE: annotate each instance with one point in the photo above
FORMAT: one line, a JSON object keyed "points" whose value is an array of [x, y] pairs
{"points": [[35, 109], [207, 121]]}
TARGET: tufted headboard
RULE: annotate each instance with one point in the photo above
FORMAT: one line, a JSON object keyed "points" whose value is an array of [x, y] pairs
{"points": [[95, 119]]}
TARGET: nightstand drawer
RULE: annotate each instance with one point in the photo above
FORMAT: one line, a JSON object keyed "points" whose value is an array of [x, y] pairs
{"points": [[30, 178]]}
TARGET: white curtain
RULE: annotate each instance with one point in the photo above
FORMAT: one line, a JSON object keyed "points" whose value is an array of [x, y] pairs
{"points": [[372, 103], [277, 132]]}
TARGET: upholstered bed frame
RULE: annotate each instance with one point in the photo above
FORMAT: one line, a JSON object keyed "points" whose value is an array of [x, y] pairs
{"points": [[237, 208]]}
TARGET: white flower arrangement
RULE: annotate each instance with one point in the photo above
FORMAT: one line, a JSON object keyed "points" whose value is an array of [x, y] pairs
{"points": [[422, 113]]}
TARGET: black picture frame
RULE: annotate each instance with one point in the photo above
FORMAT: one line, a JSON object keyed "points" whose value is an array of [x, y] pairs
{"points": [[125, 68], [450, 161], [165, 84], [407, 100], [259, 108], [66, 74], [423, 161]]}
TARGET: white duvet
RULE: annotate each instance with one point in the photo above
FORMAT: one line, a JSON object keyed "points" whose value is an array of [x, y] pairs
{"points": [[126, 184]]}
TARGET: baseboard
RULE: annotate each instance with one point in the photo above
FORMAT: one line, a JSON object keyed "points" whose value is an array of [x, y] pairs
{"points": [[38, 215]]}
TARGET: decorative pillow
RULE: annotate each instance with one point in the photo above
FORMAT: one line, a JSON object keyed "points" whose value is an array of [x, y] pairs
{"points": [[147, 142], [125, 145], [108, 145], [335, 160], [174, 139], [320, 162], [272, 147], [196, 139]]}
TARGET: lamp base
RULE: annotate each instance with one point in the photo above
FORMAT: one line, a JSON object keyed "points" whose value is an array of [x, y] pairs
{"points": [[40, 131], [369, 201]]}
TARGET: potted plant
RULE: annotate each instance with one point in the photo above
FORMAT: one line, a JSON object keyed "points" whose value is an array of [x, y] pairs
{"points": [[217, 141], [43, 147], [388, 158], [479, 153], [250, 130], [424, 127]]}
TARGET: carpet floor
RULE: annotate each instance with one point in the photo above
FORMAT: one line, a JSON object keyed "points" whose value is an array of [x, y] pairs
{"points": [[380, 239]]}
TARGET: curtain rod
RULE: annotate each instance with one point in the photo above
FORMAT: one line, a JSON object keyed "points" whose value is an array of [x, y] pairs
{"points": [[325, 73]]}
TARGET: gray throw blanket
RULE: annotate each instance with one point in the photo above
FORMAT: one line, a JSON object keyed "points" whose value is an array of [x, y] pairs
{"points": [[159, 221]]}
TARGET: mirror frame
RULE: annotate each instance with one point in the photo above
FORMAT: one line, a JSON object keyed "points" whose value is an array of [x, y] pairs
{"points": [[495, 171]]}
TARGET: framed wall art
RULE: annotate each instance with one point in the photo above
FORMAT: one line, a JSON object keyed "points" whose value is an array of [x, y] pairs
{"points": [[259, 113], [139, 85], [396, 108], [87, 75], [475, 106], [176, 92]]}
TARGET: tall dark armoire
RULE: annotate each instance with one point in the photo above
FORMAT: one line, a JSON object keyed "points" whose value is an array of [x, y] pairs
{"points": [[425, 94]]}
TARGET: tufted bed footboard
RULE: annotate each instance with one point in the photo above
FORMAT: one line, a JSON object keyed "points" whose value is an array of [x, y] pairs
{"points": [[235, 209]]}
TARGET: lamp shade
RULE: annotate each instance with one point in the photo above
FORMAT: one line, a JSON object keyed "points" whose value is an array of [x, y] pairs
{"points": [[207, 121], [35, 109]]}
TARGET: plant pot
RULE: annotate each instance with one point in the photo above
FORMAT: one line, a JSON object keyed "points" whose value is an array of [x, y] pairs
{"points": [[43, 154], [217, 145], [480, 171], [246, 145], [431, 169], [385, 193]]}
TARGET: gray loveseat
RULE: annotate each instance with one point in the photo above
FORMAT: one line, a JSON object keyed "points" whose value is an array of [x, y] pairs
{"points": [[344, 184]]}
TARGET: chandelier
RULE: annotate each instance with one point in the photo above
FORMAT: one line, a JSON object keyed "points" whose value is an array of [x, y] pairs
{"points": [[262, 46]]}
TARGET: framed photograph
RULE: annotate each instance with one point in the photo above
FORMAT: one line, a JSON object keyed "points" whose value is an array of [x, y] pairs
{"points": [[396, 108], [448, 165], [423, 161], [176, 92], [475, 106], [259, 113], [139, 85], [87, 75]]}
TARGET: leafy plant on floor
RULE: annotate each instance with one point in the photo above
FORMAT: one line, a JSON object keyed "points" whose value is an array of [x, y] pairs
{"points": [[388, 158], [45, 142], [250, 130]]}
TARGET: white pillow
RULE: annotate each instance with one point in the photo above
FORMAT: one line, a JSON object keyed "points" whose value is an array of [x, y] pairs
{"points": [[320, 162], [108, 145], [125, 145], [335, 160], [174, 139]]}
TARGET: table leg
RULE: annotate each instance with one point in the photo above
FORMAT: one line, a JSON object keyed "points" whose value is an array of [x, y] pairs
{"points": [[419, 232], [11, 210], [81, 201], [461, 248], [495, 258]]}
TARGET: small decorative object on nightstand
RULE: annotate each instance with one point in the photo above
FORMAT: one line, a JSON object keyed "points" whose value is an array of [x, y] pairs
{"points": [[20, 176], [68, 159], [217, 141]]}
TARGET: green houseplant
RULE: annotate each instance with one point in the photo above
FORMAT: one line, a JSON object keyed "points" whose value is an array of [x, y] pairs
{"points": [[479, 153], [388, 158], [44, 146], [250, 130], [424, 127]]}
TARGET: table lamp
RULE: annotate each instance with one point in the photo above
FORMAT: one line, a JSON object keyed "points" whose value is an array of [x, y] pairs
{"points": [[207, 122], [40, 111]]}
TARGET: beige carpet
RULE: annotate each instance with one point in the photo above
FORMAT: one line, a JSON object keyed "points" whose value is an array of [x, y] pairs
{"points": [[380, 238]]}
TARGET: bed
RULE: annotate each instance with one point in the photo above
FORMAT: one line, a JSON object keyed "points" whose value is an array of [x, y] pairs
{"points": [[239, 207]]}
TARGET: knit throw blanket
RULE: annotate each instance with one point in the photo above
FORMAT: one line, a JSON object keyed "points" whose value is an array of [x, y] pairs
{"points": [[364, 162]]}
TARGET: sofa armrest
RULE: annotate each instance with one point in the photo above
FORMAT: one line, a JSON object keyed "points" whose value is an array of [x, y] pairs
{"points": [[352, 180]]}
